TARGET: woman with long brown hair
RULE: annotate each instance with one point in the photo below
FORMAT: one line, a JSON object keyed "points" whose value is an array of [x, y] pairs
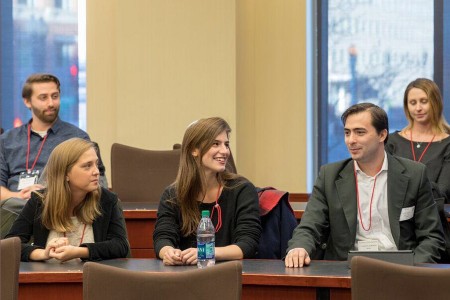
{"points": [[204, 183], [73, 217]]}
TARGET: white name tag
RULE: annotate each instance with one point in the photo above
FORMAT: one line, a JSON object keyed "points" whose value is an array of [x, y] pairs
{"points": [[407, 213], [27, 179], [368, 245]]}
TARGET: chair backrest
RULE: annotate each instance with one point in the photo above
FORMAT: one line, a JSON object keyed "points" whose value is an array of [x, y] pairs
{"points": [[222, 281], [376, 279], [9, 262], [139, 175], [9, 210]]}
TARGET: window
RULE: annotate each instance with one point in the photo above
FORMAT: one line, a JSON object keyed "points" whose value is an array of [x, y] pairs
{"points": [[368, 51], [58, 3], [42, 37]]}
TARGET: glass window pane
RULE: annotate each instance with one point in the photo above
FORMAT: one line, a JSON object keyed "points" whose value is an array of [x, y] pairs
{"points": [[375, 48], [41, 37]]}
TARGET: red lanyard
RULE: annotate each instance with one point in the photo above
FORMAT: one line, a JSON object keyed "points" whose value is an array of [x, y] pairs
{"points": [[219, 211], [28, 149], [371, 199], [424, 150], [82, 235]]}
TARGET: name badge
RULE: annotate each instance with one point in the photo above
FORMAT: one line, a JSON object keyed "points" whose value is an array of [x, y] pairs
{"points": [[368, 245], [27, 179], [407, 213]]}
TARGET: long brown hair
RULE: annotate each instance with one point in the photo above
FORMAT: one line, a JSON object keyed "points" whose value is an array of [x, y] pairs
{"points": [[191, 182], [57, 196], [438, 122]]}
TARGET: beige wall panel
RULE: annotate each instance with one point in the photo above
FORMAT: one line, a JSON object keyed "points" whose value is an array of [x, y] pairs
{"points": [[272, 93], [101, 74], [154, 66], [174, 63], [245, 88]]}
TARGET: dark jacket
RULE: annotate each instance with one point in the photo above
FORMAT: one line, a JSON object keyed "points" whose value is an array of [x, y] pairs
{"points": [[278, 222], [241, 225], [110, 233], [331, 213]]}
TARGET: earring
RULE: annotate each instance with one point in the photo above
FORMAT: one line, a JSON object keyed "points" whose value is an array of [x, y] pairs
{"points": [[67, 178]]}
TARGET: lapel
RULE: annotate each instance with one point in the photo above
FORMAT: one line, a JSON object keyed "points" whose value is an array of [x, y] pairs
{"points": [[346, 193], [397, 184]]}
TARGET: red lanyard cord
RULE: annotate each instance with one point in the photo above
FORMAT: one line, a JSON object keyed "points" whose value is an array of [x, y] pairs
{"points": [[371, 199], [424, 150], [28, 149], [82, 235], [219, 210]]}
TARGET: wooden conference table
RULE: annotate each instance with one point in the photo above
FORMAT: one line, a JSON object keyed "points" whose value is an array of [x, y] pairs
{"points": [[261, 279], [141, 217]]}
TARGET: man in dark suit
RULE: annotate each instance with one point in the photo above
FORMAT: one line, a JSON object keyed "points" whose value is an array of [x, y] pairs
{"points": [[373, 201]]}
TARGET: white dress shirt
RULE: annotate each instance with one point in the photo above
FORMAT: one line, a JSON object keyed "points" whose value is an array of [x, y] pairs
{"points": [[376, 224]]}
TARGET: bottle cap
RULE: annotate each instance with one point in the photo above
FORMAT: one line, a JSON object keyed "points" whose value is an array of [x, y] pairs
{"points": [[205, 213]]}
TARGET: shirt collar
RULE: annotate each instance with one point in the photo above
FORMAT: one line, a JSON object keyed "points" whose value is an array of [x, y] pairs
{"points": [[55, 127], [384, 167]]}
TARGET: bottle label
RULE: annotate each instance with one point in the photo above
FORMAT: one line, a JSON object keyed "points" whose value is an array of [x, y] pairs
{"points": [[205, 250]]}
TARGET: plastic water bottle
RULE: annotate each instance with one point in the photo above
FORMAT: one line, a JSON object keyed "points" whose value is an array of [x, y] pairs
{"points": [[206, 238]]}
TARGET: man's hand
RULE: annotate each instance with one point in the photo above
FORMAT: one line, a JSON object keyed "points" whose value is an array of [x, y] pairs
{"points": [[26, 192], [296, 258]]}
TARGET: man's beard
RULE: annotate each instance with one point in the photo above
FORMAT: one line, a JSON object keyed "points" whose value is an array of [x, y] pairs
{"points": [[49, 119]]}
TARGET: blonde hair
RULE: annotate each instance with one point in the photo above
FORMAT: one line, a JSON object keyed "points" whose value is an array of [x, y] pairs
{"points": [[57, 197], [191, 182], [438, 122]]}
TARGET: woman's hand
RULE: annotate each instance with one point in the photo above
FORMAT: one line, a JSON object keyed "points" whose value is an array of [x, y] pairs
{"points": [[189, 256], [170, 256], [68, 252], [44, 254], [54, 244]]}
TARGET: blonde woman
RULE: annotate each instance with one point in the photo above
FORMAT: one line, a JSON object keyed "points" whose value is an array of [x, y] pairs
{"points": [[73, 217], [204, 183], [426, 139]]}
